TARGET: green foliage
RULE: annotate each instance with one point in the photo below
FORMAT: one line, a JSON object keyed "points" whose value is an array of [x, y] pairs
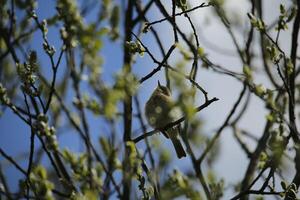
{"points": [[146, 190], [179, 185], [260, 90], [274, 53], [50, 50], [94, 106], [135, 47], [40, 184], [48, 132], [182, 4], [247, 72], [276, 143], [114, 22], [201, 52], [186, 97], [285, 17], [263, 159], [73, 23], [289, 66], [184, 52], [27, 74], [257, 23], [3, 95], [134, 161], [87, 195], [164, 158], [91, 40], [81, 172], [105, 146], [216, 188], [126, 83], [195, 134]]}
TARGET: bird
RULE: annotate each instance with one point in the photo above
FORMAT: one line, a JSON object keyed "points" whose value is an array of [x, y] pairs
{"points": [[159, 111]]}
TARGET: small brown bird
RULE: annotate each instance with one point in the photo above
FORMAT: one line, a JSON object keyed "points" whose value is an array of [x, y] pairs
{"points": [[159, 112]]}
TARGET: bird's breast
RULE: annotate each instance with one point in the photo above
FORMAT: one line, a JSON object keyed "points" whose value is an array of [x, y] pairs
{"points": [[157, 111]]}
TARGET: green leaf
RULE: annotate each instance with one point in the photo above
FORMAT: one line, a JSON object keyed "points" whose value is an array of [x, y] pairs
{"points": [[105, 146], [282, 9], [260, 90], [247, 72], [90, 195], [200, 51], [289, 66]]}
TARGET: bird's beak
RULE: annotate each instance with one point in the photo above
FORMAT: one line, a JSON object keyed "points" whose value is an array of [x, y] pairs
{"points": [[158, 83]]}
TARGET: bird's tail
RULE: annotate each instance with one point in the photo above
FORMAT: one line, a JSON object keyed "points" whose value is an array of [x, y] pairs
{"points": [[173, 135]]}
